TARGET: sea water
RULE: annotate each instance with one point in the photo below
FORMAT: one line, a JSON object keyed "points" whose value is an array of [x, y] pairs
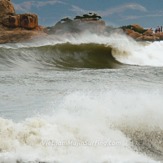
{"points": [[81, 98]]}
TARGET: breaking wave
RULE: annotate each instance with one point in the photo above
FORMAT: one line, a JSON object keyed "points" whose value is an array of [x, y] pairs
{"points": [[63, 56], [85, 51]]}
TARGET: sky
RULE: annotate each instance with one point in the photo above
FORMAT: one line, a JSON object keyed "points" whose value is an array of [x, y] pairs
{"points": [[147, 13]]}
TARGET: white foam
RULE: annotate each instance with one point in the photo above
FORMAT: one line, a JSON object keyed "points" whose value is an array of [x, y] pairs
{"points": [[82, 129], [142, 55]]}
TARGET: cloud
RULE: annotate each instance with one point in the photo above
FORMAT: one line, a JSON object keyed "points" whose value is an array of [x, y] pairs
{"points": [[78, 10], [111, 11], [122, 8], [148, 15], [27, 5], [48, 2]]}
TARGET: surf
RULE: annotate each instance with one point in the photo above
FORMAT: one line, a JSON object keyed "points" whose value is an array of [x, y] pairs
{"points": [[71, 99], [84, 51], [88, 129]]}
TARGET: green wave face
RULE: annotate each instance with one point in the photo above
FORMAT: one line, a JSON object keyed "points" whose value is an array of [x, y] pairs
{"points": [[63, 56]]}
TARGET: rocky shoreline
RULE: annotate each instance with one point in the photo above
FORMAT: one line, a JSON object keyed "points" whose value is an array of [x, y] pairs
{"points": [[24, 27], [140, 34], [17, 27]]}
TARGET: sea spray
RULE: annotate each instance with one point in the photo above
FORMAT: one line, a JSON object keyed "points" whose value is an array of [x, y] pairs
{"points": [[84, 130]]}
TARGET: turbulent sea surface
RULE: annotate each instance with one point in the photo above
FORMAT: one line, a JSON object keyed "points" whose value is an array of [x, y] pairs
{"points": [[84, 98]]}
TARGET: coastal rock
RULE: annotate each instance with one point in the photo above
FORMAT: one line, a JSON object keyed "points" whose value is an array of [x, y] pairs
{"points": [[138, 28], [17, 27], [140, 34], [6, 8], [11, 21], [134, 27], [148, 38], [19, 35], [87, 22], [133, 34], [28, 21], [159, 35], [149, 32]]}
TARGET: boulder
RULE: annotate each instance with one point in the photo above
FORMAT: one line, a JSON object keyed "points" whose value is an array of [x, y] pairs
{"points": [[11, 21], [134, 27], [159, 35], [132, 33], [149, 32], [137, 28], [6, 8], [28, 21]]}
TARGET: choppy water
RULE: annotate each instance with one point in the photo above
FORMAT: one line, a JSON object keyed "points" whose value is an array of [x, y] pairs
{"points": [[81, 98]]}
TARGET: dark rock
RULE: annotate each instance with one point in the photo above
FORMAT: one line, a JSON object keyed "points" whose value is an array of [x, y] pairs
{"points": [[28, 21], [11, 21], [134, 27]]}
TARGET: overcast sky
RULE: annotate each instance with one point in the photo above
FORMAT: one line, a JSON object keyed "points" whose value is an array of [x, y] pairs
{"points": [[148, 13]]}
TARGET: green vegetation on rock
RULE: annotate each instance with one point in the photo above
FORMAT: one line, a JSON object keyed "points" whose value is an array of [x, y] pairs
{"points": [[135, 28]]}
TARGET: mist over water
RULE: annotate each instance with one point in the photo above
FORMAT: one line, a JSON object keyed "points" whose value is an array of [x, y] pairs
{"points": [[81, 98]]}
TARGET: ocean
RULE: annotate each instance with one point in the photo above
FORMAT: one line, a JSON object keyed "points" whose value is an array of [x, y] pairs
{"points": [[81, 98]]}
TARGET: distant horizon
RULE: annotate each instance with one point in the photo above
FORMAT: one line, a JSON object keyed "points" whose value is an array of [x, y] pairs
{"points": [[146, 13]]}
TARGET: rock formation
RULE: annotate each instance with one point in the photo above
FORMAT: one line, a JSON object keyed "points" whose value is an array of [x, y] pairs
{"points": [[11, 21], [6, 8], [27, 21], [17, 27], [140, 34], [90, 22]]}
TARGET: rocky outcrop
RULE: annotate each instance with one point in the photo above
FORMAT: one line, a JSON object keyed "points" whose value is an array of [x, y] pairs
{"points": [[133, 34], [18, 35], [6, 8], [140, 34], [17, 27], [90, 22], [27, 21], [159, 35], [11, 21]]}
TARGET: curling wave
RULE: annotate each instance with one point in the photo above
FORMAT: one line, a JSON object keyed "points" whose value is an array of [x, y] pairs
{"points": [[85, 51], [63, 56]]}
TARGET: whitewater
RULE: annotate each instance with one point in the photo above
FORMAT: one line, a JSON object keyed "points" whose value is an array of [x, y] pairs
{"points": [[81, 98]]}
